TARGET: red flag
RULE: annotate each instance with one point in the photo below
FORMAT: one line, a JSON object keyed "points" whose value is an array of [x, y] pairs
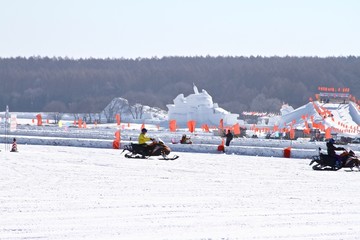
{"points": [[276, 128], [221, 126], [237, 129], [307, 130], [205, 128], [39, 119], [221, 147], [172, 125], [292, 133], [117, 116], [117, 135], [306, 125], [116, 142], [191, 125], [312, 119], [80, 123], [328, 133]]}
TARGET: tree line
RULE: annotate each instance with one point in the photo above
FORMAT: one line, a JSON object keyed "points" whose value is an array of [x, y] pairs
{"points": [[236, 83]]}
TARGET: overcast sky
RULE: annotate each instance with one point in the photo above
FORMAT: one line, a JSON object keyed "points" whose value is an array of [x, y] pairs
{"points": [[149, 28]]}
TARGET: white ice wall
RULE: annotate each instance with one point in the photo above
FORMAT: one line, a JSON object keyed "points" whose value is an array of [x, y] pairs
{"points": [[354, 113]]}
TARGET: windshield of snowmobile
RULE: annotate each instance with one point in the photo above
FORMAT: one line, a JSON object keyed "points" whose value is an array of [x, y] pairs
{"points": [[159, 140]]}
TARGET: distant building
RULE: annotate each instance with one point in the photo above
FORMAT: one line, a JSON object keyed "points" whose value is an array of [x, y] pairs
{"points": [[333, 95]]}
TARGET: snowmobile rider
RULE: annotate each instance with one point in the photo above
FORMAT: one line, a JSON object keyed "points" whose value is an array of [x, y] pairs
{"points": [[143, 138], [147, 148], [185, 140], [331, 151]]}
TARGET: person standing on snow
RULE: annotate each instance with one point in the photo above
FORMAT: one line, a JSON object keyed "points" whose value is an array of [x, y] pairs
{"points": [[229, 136], [14, 146]]}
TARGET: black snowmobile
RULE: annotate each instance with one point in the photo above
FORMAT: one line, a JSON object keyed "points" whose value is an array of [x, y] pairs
{"points": [[326, 162], [156, 148]]}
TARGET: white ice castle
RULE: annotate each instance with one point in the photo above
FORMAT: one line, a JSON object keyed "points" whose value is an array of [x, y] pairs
{"points": [[199, 107]]}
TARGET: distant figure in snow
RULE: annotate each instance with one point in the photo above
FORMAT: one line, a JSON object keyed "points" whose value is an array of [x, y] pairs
{"points": [[229, 136], [185, 140], [14, 146]]}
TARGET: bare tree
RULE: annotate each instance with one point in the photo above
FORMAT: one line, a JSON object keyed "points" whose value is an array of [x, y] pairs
{"points": [[117, 105], [56, 116], [76, 116], [137, 111], [87, 117], [109, 114], [97, 117]]}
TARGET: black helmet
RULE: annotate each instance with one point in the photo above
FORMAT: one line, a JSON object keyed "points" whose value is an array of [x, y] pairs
{"points": [[331, 140], [144, 130]]}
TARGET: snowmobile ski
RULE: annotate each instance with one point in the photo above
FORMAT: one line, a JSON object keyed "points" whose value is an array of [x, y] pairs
{"points": [[169, 158], [136, 156]]}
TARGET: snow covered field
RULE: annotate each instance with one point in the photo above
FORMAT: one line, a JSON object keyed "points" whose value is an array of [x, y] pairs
{"points": [[60, 192]]}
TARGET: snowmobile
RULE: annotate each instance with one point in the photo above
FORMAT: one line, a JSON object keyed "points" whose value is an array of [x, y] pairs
{"points": [[156, 148], [348, 159]]}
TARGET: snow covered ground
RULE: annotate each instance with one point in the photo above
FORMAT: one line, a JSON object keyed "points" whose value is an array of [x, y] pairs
{"points": [[69, 184], [55, 192]]}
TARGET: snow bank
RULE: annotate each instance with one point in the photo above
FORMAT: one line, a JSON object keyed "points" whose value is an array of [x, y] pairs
{"points": [[102, 136], [257, 147]]}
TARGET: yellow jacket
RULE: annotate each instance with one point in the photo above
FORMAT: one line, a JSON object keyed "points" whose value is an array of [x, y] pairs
{"points": [[143, 139]]}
